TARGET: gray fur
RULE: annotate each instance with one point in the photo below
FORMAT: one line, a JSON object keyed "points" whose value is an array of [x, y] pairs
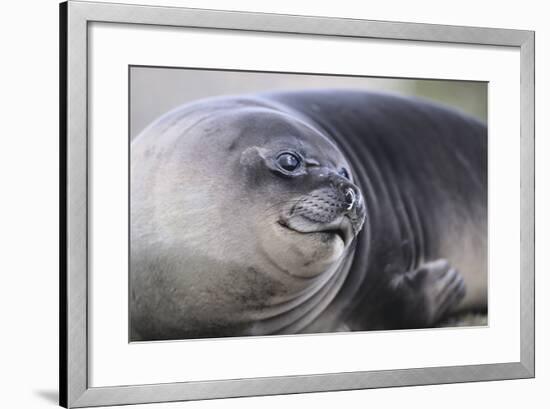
{"points": [[226, 243]]}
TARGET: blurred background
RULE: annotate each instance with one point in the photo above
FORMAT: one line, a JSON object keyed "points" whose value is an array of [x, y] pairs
{"points": [[156, 90]]}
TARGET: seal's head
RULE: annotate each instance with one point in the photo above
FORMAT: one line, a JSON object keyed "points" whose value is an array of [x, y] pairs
{"points": [[254, 202], [312, 209]]}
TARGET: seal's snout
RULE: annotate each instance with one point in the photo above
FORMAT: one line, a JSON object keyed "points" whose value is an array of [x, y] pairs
{"points": [[336, 209], [348, 193], [350, 198]]}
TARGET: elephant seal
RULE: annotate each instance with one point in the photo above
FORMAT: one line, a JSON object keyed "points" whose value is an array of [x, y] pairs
{"points": [[306, 211]]}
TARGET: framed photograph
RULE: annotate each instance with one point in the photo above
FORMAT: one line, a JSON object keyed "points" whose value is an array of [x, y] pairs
{"points": [[259, 204]]}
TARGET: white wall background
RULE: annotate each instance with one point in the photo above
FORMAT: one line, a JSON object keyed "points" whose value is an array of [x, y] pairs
{"points": [[29, 203]]}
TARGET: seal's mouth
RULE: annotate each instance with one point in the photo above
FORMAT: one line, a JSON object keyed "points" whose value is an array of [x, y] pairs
{"points": [[341, 228]]}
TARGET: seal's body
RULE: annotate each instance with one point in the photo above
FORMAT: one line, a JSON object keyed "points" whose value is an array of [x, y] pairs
{"points": [[306, 211]]}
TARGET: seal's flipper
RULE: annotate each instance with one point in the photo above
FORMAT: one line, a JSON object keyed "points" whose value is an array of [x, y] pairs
{"points": [[428, 293]]}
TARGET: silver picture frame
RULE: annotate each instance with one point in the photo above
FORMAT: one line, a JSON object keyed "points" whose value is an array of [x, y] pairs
{"points": [[75, 16]]}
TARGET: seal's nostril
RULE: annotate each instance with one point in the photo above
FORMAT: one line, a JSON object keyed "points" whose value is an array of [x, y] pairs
{"points": [[350, 198]]}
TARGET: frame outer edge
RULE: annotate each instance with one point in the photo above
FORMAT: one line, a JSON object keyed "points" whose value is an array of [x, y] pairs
{"points": [[527, 236], [77, 197], [281, 23], [298, 384], [63, 370], [80, 13]]}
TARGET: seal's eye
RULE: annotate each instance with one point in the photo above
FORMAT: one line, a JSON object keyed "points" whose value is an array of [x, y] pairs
{"points": [[343, 172], [289, 161]]}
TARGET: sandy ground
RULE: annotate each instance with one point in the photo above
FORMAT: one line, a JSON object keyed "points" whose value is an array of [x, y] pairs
{"points": [[469, 319]]}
